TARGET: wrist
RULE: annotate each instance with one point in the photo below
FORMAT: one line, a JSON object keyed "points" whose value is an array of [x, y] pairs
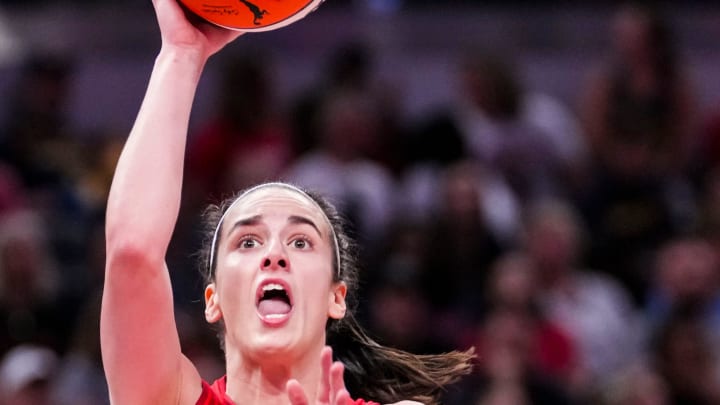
{"points": [[191, 60]]}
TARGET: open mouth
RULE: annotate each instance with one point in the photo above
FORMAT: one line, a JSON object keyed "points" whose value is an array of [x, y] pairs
{"points": [[274, 302]]}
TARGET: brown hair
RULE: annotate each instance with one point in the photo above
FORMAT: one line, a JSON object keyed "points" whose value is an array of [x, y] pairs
{"points": [[376, 372]]}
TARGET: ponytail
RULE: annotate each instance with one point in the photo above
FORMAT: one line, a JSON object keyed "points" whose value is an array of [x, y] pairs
{"points": [[388, 375]]}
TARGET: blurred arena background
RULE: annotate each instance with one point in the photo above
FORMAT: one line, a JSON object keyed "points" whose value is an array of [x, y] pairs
{"points": [[416, 44], [525, 177]]}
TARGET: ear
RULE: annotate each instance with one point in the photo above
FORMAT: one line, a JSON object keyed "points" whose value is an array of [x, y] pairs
{"points": [[213, 313], [337, 307]]}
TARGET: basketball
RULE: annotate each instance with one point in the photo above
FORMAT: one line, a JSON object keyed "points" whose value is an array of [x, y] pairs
{"points": [[252, 15]]}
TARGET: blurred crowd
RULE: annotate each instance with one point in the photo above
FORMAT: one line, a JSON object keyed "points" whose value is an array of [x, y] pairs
{"points": [[574, 246]]}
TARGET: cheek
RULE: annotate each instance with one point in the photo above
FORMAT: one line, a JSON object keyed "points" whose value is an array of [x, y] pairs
{"points": [[314, 281], [234, 279], [321, 269], [238, 266]]}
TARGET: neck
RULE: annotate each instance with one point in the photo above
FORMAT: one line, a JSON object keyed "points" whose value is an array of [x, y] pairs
{"points": [[254, 381]]}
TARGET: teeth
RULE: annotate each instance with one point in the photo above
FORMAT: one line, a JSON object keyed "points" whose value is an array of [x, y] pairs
{"points": [[273, 286]]}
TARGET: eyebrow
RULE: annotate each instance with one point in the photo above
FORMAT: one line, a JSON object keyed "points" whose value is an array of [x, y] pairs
{"points": [[256, 219], [297, 219]]}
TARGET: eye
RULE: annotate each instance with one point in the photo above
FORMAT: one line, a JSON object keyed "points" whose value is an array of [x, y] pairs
{"points": [[248, 242], [301, 243]]}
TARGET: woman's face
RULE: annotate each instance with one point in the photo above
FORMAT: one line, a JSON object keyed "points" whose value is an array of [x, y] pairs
{"points": [[274, 286]]}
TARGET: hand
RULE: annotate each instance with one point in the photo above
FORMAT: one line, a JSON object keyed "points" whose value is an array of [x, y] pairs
{"points": [[177, 30], [332, 386]]}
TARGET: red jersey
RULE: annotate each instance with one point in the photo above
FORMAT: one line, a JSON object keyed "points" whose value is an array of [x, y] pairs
{"points": [[215, 395]]}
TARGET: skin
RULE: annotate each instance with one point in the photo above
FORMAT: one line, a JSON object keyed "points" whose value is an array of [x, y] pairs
{"points": [[141, 350], [279, 235]]}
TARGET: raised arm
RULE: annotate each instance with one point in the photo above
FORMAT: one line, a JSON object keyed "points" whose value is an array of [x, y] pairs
{"points": [[140, 344]]}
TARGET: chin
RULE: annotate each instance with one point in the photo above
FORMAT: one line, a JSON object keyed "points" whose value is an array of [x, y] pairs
{"points": [[280, 348], [274, 344]]}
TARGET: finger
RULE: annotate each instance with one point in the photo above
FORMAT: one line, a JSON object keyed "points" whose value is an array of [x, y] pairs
{"points": [[337, 384], [295, 392], [167, 7], [343, 398], [325, 363]]}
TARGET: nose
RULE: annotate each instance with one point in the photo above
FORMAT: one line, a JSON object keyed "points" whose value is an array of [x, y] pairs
{"points": [[275, 259], [274, 262]]}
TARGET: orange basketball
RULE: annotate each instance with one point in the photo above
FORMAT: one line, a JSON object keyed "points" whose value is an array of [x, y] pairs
{"points": [[252, 15]]}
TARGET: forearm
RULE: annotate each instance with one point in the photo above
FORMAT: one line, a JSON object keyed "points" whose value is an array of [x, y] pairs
{"points": [[145, 196]]}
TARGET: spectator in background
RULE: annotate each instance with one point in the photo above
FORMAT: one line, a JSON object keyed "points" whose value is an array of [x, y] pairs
{"points": [[638, 385], [399, 316], [350, 69], [522, 356], [37, 139], [51, 160], [506, 369], [686, 359], [529, 141], [397, 312], [638, 112], [639, 108], [514, 287], [26, 374], [339, 165], [80, 379], [461, 248], [76, 218], [498, 206], [245, 141], [592, 307], [628, 218], [30, 301], [687, 279], [443, 252]]}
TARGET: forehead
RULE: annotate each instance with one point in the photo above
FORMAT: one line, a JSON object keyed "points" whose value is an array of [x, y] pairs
{"points": [[277, 201]]}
